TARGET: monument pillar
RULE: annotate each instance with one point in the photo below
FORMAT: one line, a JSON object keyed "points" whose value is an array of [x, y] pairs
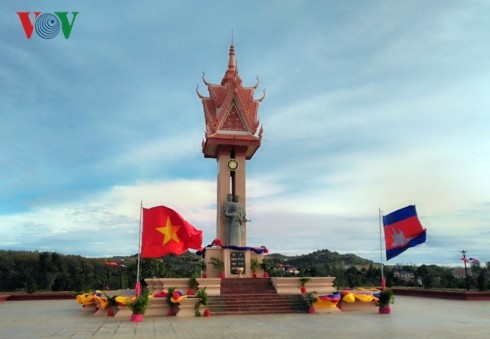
{"points": [[240, 189], [230, 181], [223, 189], [233, 135]]}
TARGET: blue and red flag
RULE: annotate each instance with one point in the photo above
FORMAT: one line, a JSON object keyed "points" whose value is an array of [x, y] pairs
{"points": [[402, 230]]}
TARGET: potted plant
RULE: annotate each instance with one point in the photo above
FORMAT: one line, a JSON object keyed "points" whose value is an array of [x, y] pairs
{"points": [[219, 265], [138, 306], [311, 299], [203, 269], [386, 298], [254, 265], [266, 266], [193, 284], [203, 300], [302, 282], [170, 303], [111, 305]]}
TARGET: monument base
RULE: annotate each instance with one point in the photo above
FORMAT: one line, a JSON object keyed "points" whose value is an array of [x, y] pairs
{"points": [[236, 263]]}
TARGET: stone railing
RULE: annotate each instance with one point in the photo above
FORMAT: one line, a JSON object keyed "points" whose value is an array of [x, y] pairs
{"points": [[156, 285], [213, 285], [320, 285]]}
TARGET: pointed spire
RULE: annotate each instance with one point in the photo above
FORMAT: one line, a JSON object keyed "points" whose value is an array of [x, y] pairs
{"points": [[232, 60], [231, 72]]}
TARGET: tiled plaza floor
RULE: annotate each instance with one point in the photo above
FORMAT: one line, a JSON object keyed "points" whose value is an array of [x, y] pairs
{"points": [[411, 317]]}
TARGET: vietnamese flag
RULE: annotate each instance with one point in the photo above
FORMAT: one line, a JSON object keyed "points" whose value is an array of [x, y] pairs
{"points": [[115, 263], [402, 230], [166, 232]]}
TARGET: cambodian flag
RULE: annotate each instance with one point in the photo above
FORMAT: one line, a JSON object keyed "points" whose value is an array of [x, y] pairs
{"points": [[402, 230]]}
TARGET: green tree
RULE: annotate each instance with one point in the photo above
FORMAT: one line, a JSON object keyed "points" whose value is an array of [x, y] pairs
{"points": [[427, 276], [152, 268], [353, 277], [482, 280]]}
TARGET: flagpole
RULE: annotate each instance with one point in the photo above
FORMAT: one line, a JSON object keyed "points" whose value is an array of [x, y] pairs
{"points": [[139, 246], [383, 281]]}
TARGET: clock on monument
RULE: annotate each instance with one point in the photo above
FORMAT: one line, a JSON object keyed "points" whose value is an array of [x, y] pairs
{"points": [[232, 164]]}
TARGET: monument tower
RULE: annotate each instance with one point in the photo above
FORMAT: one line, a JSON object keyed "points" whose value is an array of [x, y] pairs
{"points": [[233, 135]]}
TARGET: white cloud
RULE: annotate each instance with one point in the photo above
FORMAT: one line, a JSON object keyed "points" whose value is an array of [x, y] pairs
{"points": [[368, 106]]}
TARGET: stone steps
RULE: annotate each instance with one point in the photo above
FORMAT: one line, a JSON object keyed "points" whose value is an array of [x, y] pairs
{"points": [[247, 286], [253, 296], [256, 304]]}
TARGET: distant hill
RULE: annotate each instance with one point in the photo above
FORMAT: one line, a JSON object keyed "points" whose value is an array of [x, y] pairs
{"points": [[322, 260], [51, 271]]}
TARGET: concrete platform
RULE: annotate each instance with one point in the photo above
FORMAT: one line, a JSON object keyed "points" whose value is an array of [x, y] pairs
{"points": [[411, 317]]}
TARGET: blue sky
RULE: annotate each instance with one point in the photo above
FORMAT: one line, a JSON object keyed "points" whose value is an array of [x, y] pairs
{"points": [[370, 105]]}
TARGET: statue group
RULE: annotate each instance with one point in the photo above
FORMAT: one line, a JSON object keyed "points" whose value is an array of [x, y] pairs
{"points": [[234, 213]]}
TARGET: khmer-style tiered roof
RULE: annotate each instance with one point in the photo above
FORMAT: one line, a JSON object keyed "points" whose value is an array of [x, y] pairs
{"points": [[230, 112]]}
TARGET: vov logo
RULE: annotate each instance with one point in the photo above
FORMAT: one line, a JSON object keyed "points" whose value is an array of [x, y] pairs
{"points": [[47, 25]]}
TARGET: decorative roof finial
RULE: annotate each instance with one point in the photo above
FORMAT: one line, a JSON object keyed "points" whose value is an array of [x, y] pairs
{"points": [[231, 74], [232, 60]]}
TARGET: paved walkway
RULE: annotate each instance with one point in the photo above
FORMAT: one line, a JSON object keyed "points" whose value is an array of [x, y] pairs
{"points": [[411, 317]]}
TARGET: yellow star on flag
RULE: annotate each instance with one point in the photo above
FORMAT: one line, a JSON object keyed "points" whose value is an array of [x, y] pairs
{"points": [[169, 232]]}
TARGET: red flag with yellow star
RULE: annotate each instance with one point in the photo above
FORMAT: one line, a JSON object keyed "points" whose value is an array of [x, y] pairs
{"points": [[166, 232]]}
